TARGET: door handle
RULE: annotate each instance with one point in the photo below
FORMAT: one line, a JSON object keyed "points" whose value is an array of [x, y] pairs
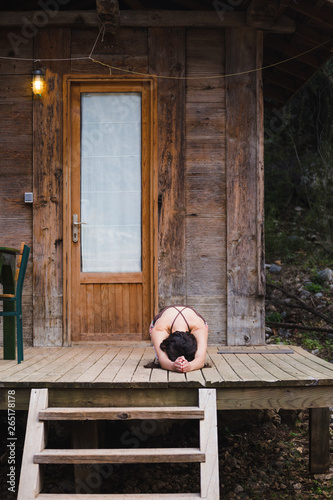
{"points": [[75, 229]]}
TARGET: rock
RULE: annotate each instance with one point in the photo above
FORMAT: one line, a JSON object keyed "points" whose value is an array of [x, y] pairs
{"points": [[238, 488], [298, 209], [315, 352], [305, 294], [275, 268], [326, 275], [284, 333], [319, 295], [297, 486]]}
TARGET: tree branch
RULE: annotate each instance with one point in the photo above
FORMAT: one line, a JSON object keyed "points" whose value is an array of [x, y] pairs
{"points": [[304, 304], [294, 326]]}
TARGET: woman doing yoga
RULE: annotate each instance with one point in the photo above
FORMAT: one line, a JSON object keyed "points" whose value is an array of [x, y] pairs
{"points": [[179, 336]]}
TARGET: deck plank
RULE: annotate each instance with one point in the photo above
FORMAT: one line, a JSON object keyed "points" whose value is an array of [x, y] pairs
{"points": [[226, 372], [196, 377], [211, 374], [159, 376], [286, 366], [315, 359], [13, 373], [125, 365], [271, 368], [312, 365], [92, 373], [63, 365], [177, 378], [29, 353], [142, 374], [111, 370], [127, 370], [239, 367], [73, 374], [302, 368], [256, 368], [34, 372]]}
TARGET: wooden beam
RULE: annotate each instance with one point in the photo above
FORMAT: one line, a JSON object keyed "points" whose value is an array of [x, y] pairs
{"points": [[320, 14], [315, 37], [119, 456], [48, 189], [319, 438], [35, 441], [262, 13], [244, 173], [167, 57], [291, 50], [293, 68], [285, 82], [138, 19], [108, 14], [276, 93]]}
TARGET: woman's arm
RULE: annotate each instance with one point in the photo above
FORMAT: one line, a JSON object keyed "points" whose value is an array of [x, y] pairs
{"points": [[201, 335]]}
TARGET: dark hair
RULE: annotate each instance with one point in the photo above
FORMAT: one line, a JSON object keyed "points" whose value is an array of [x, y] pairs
{"points": [[180, 344]]}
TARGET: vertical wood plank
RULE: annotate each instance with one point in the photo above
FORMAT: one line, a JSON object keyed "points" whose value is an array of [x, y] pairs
{"points": [[244, 130], [30, 479], [126, 308], [112, 309], [209, 470], [104, 308], [141, 325], [95, 310], [47, 186], [119, 308], [133, 310], [167, 58], [90, 307], [205, 179], [319, 439]]}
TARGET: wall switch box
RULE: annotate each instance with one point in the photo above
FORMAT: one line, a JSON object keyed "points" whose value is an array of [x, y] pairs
{"points": [[28, 197]]}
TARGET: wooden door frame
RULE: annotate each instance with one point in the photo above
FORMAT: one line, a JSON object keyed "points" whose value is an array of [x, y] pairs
{"points": [[152, 295]]}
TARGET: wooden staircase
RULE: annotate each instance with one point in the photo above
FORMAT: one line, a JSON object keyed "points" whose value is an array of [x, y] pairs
{"points": [[35, 453]]}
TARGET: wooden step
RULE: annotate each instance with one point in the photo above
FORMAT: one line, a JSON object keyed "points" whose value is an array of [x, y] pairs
{"points": [[119, 456], [125, 496], [35, 453], [151, 413]]}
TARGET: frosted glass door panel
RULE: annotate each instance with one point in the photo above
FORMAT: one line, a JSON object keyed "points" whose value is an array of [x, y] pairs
{"points": [[111, 182]]}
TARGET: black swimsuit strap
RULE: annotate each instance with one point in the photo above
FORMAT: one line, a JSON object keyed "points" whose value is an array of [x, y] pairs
{"points": [[179, 313]]}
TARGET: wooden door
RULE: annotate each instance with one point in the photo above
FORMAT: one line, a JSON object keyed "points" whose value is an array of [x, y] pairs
{"points": [[110, 222]]}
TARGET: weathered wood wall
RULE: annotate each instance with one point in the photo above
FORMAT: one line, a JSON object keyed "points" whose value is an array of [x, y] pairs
{"points": [[16, 155], [198, 211], [205, 179]]}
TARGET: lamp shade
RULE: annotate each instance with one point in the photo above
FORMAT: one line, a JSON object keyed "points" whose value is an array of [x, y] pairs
{"points": [[37, 82]]}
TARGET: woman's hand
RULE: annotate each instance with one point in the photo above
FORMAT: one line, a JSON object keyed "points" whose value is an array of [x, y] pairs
{"points": [[181, 365]]}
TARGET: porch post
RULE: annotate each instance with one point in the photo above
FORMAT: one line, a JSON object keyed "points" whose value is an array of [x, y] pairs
{"points": [[244, 174], [47, 186]]}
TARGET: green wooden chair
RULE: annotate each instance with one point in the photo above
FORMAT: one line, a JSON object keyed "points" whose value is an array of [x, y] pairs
{"points": [[22, 262]]}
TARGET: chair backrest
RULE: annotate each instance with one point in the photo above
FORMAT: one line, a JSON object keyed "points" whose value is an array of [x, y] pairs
{"points": [[22, 266]]}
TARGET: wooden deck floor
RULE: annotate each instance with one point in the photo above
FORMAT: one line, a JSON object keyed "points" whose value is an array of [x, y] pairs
{"points": [[250, 378]]}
